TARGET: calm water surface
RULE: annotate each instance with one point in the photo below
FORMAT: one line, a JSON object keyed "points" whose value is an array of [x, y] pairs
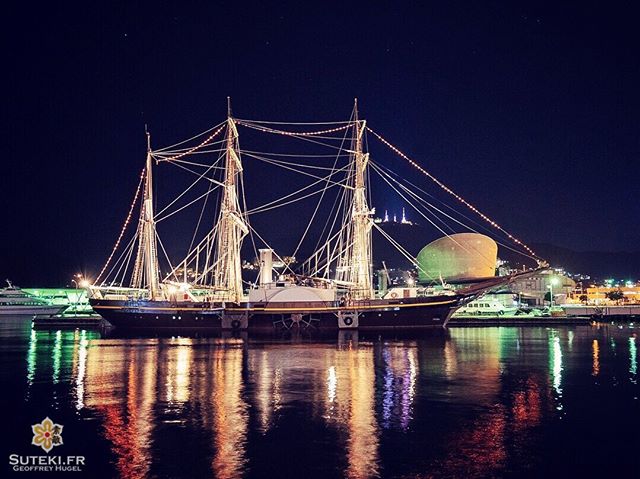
{"points": [[468, 402]]}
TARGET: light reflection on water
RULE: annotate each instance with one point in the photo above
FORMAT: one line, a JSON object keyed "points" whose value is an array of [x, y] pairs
{"points": [[633, 358], [469, 402]]}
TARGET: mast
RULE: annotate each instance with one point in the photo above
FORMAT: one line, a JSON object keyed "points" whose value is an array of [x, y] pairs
{"points": [[360, 260], [231, 227], [147, 257]]}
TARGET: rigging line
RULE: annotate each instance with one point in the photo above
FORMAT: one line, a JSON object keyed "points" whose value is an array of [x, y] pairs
{"points": [[246, 220], [319, 251], [191, 255], [330, 257], [295, 133], [195, 232], [124, 273], [274, 252], [429, 220], [391, 173], [126, 268], [291, 163], [122, 261], [385, 175], [480, 225], [169, 215], [422, 200], [200, 176], [192, 138], [260, 210], [117, 262], [293, 123], [244, 214], [421, 213], [211, 167], [308, 139], [164, 158], [197, 147], [337, 203], [166, 255], [402, 251], [321, 178], [317, 137], [193, 163], [285, 197], [163, 155], [124, 226], [293, 154], [334, 256], [455, 195], [335, 161]]}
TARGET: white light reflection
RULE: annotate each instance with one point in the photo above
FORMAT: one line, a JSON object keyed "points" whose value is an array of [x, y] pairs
{"points": [[332, 384], [31, 357], [633, 358], [177, 386], [82, 367], [556, 364], [56, 353]]}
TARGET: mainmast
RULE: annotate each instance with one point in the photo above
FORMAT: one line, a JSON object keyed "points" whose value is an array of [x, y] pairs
{"points": [[359, 262], [147, 257], [231, 227]]}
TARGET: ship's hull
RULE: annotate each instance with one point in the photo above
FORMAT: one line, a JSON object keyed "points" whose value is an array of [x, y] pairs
{"points": [[374, 314], [17, 310]]}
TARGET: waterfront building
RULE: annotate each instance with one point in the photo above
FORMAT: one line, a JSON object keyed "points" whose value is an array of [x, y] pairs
{"points": [[598, 294], [533, 289]]}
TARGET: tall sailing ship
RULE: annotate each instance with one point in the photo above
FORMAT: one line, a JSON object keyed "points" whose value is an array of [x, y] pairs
{"points": [[333, 288]]}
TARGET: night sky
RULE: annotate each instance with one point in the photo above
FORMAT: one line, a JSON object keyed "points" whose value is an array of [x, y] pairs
{"points": [[530, 110]]}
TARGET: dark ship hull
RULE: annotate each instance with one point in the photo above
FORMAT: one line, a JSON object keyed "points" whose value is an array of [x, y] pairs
{"points": [[373, 314]]}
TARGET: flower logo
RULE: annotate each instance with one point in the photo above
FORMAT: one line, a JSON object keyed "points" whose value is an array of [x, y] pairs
{"points": [[47, 434]]}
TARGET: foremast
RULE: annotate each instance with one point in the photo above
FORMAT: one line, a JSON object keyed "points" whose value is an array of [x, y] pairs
{"points": [[231, 227], [147, 256], [357, 260]]}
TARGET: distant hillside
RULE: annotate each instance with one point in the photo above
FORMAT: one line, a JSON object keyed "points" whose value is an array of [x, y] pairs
{"points": [[621, 265]]}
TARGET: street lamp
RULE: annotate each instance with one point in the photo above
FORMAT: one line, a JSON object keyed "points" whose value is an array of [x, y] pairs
{"points": [[77, 278], [551, 283]]}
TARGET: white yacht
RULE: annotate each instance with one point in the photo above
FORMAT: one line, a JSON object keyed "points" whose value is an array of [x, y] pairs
{"points": [[15, 302], [489, 305]]}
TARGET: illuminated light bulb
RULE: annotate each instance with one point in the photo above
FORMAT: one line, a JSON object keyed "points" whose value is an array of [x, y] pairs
{"points": [[124, 227], [448, 190], [293, 133], [205, 142]]}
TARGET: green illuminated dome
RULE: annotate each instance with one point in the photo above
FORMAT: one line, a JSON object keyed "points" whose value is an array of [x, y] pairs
{"points": [[458, 256]]}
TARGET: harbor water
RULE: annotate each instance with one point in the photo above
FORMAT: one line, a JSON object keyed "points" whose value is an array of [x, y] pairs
{"points": [[558, 401]]}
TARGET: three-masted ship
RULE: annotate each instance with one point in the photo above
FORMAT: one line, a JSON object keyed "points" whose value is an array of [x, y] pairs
{"points": [[206, 289]]}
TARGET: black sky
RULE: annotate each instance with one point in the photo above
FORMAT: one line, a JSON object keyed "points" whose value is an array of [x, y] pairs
{"points": [[531, 110]]}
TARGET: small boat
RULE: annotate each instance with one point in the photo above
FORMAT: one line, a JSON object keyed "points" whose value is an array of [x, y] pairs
{"points": [[15, 302], [488, 305]]}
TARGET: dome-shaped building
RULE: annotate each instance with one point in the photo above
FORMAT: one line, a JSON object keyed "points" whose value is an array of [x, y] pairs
{"points": [[458, 256]]}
